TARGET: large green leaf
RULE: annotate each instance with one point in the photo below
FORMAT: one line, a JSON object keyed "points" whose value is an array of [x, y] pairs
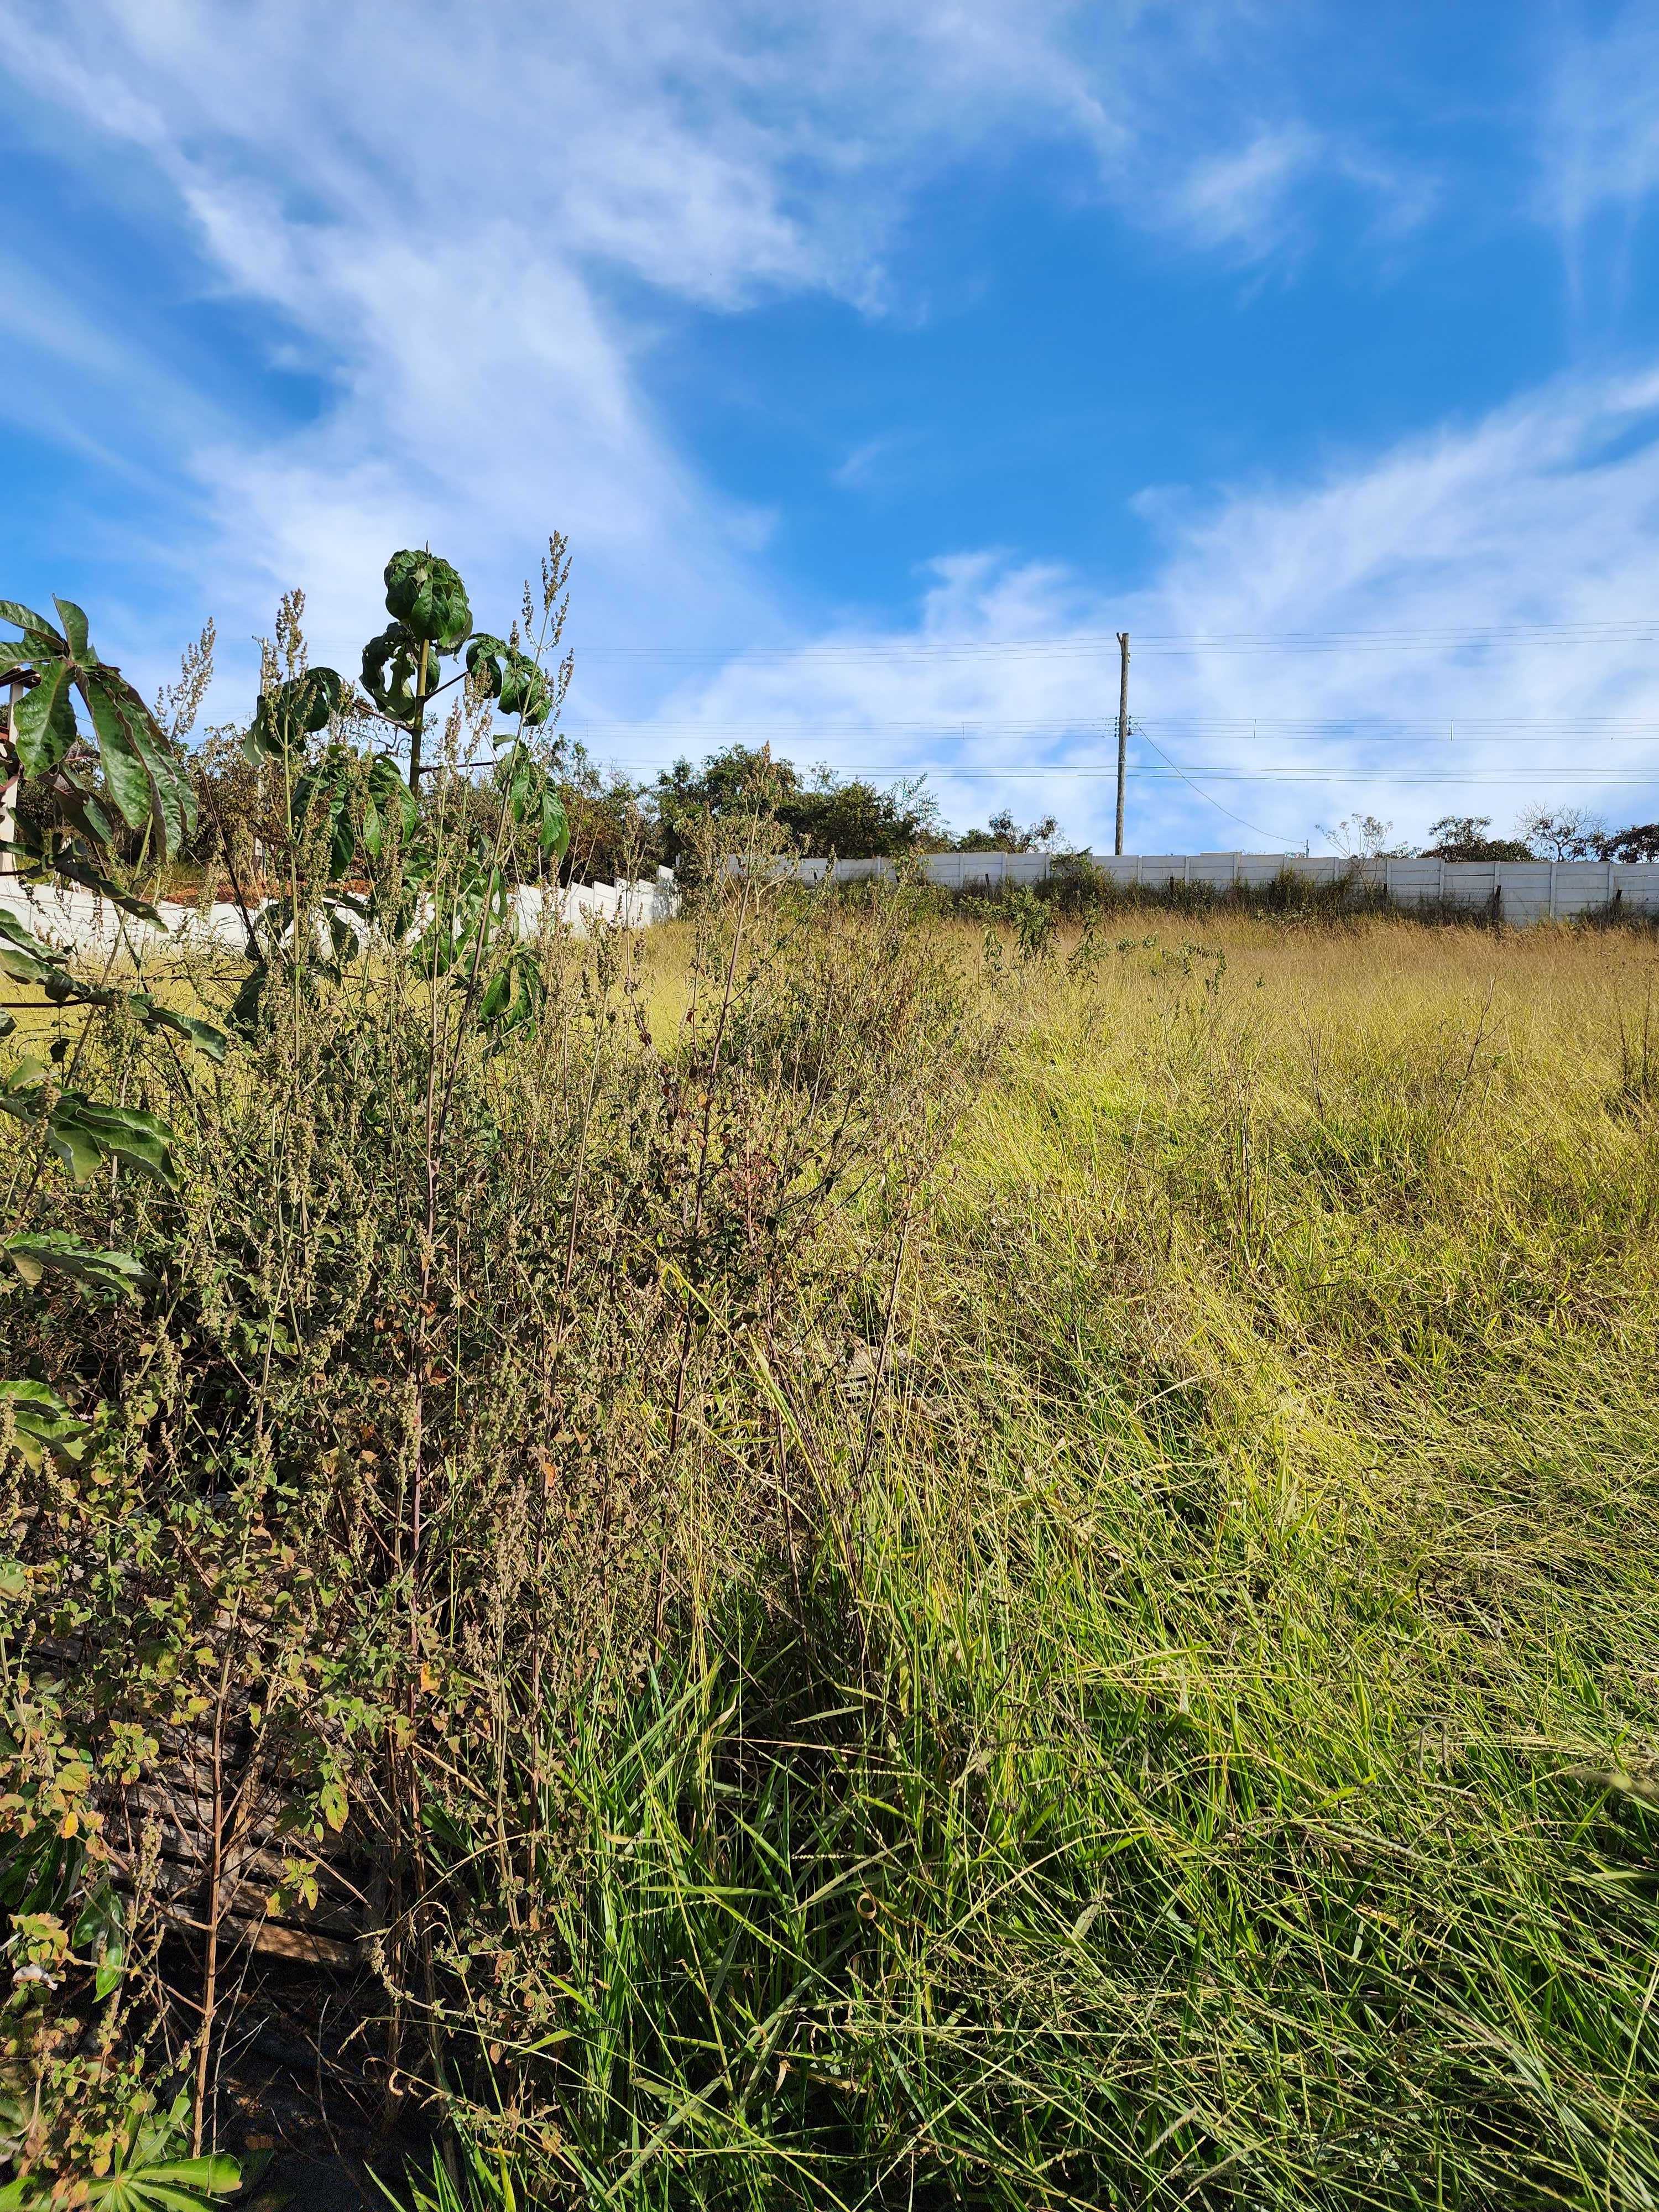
{"points": [[125, 1132], [86, 812], [26, 958], [484, 656], [102, 1929], [325, 794], [183, 2185], [533, 802], [75, 628], [171, 797], [125, 769], [202, 1035], [41, 1251], [388, 797], [26, 619], [84, 1132], [43, 721], [175, 794], [389, 664], [513, 997], [524, 689], [145, 2175], [93, 879], [43, 1423], [290, 712]]}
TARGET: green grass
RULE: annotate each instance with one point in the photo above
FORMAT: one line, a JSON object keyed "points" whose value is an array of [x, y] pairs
{"points": [[1213, 1758], [1181, 1730]]}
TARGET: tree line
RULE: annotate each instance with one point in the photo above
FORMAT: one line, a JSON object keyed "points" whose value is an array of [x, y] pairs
{"points": [[620, 827], [1541, 833]]}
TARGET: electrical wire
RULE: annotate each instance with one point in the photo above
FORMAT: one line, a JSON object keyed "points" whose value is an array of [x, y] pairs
{"points": [[1255, 729], [950, 771], [1254, 826], [1634, 631]]}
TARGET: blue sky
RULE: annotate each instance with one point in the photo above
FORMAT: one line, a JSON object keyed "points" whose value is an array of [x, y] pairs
{"points": [[880, 361]]}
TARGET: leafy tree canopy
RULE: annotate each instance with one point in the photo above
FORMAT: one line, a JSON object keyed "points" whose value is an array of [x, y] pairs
{"points": [[1464, 837], [828, 814], [1002, 834]]}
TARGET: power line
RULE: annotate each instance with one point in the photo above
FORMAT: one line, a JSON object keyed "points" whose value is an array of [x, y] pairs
{"points": [[1264, 730], [1535, 729], [951, 772], [1634, 631], [1256, 826]]}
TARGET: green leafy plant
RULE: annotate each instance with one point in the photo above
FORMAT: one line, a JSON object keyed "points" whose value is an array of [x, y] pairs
{"points": [[141, 776], [34, 1253], [120, 767], [42, 1422], [431, 620], [367, 862], [83, 1132], [290, 712], [145, 2168]]}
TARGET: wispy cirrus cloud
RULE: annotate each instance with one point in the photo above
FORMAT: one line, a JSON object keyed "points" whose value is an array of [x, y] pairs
{"points": [[1505, 572], [473, 228], [1244, 199], [1599, 125]]}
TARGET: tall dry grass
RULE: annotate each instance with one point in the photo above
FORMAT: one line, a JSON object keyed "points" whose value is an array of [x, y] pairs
{"points": [[1131, 1679], [1220, 1767]]}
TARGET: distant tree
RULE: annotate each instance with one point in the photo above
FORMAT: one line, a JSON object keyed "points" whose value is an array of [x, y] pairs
{"points": [[857, 820], [613, 833], [1002, 834], [827, 814], [1567, 833], [1639, 842], [1463, 837]]}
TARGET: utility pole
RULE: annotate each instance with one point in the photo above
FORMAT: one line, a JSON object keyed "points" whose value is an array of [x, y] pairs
{"points": [[1122, 731]]}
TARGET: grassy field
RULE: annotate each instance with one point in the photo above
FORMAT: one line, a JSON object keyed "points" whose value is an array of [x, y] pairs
{"points": [[1250, 1761], [1131, 1677]]}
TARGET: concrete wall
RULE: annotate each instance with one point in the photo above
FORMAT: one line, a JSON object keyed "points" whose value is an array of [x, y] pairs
{"points": [[78, 921], [1531, 890]]}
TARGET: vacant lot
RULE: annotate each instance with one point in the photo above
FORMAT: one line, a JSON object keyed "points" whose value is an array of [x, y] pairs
{"points": [[960, 1579]]}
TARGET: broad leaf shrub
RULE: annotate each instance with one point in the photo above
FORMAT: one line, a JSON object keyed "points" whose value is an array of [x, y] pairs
{"points": [[398, 1417]]}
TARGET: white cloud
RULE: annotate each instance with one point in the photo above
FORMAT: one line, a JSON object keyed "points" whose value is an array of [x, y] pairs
{"points": [[1242, 199], [1600, 143], [870, 466], [1543, 517], [436, 208]]}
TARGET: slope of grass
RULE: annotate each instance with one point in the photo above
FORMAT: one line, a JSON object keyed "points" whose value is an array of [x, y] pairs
{"points": [[1214, 1759], [959, 1581]]}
